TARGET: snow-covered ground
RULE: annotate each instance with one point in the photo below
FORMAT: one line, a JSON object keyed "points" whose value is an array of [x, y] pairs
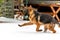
{"points": [[11, 31], [9, 20]]}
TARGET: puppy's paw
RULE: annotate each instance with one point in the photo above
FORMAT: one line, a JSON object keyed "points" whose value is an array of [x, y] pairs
{"points": [[19, 25], [39, 30], [45, 31], [54, 31]]}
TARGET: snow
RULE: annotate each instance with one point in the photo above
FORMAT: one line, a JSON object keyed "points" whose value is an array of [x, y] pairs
{"points": [[9, 20], [11, 31]]}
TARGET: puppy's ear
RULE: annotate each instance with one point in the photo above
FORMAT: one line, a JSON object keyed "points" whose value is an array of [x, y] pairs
{"points": [[30, 6]]}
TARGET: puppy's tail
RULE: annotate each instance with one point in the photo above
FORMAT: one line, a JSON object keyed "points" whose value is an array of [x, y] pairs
{"points": [[59, 24]]}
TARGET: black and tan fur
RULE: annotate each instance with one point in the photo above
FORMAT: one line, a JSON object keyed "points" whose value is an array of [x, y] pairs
{"points": [[39, 19]]}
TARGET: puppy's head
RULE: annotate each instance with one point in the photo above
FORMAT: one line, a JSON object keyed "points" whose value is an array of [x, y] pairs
{"points": [[30, 9]]}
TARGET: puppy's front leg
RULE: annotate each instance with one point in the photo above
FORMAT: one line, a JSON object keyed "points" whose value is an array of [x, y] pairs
{"points": [[25, 24], [38, 26]]}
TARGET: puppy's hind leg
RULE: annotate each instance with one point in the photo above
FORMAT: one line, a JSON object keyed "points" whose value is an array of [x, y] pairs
{"points": [[45, 28], [51, 28]]}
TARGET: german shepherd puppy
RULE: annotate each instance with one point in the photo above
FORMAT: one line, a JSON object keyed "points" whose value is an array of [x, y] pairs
{"points": [[39, 19]]}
